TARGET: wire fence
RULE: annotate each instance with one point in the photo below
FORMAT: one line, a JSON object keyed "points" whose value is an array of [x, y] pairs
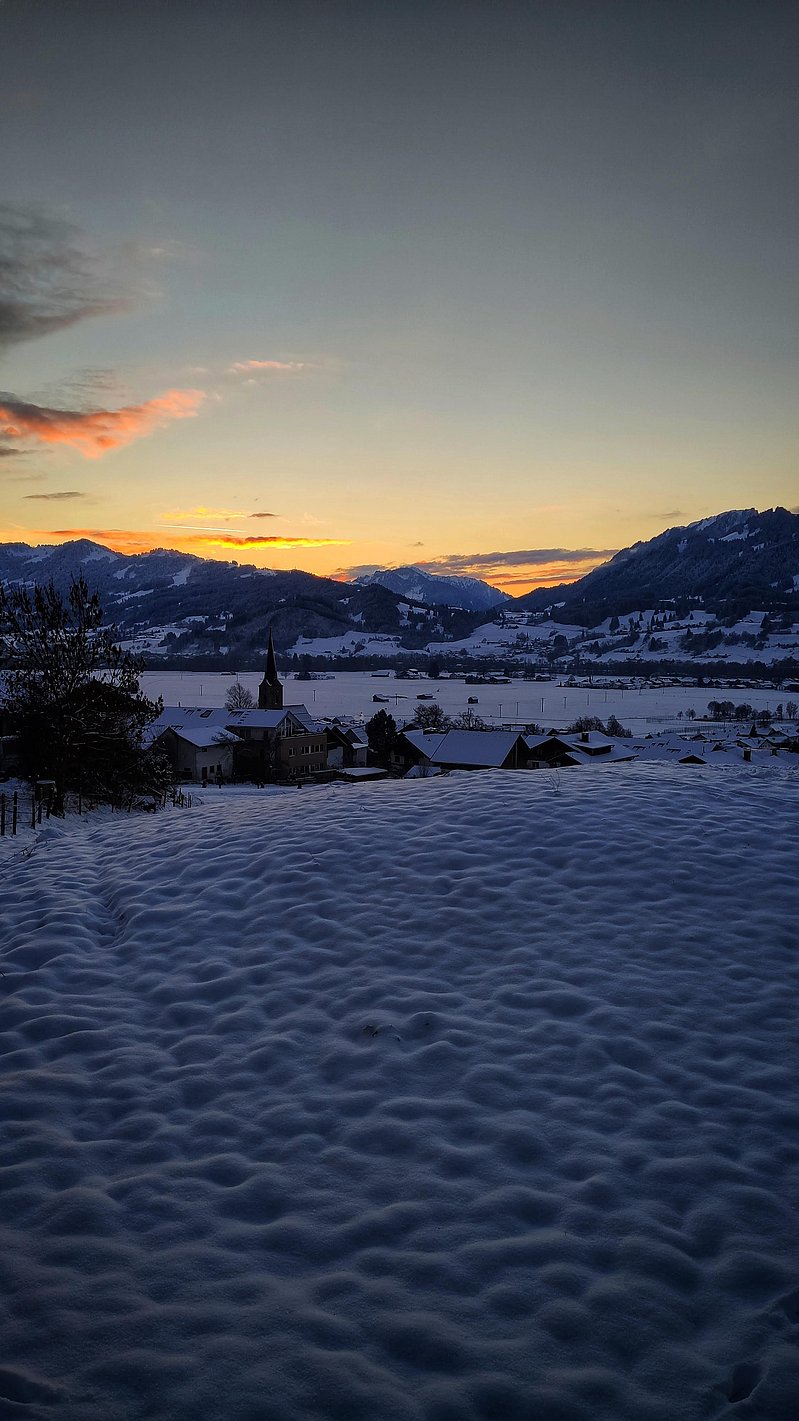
{"points": [[20, 809]]}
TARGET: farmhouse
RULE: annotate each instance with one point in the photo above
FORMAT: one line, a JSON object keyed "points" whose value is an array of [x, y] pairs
{"points": [[199, 752], [460, 750], [264, 744]]}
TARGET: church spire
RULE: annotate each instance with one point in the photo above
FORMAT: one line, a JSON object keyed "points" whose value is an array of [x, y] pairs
{"points": [[270, 691]]}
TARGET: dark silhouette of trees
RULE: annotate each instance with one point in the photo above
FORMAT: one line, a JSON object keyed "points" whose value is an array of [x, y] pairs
{"points": [[381, 732], [72, 697], [430, 718]]}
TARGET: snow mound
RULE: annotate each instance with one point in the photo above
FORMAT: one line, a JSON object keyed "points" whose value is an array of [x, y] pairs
{"points": [[469, 1098]]}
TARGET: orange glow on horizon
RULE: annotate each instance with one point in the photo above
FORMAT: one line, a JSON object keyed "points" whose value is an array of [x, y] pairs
{"points": [[516, 579]]}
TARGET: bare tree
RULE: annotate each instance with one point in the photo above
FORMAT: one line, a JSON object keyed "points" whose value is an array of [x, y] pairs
{"points": [[238, 697]]}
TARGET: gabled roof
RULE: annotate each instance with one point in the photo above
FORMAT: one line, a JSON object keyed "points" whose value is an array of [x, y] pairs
{"points": [[591, 740], [424, 740], [618, 750], [270, 719], [533, 742], [202, 737], [473, 749], [217, 715]]}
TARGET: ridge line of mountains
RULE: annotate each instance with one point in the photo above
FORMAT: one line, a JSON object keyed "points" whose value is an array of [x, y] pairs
{"points": [[727, 565]]}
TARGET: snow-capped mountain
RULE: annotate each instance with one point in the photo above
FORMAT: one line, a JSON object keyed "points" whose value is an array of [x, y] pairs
{"points": [[175, 603], [730, 564], [469, 593]]}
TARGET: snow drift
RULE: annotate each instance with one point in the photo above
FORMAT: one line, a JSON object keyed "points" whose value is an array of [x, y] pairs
{"points": [[469, 1099]]}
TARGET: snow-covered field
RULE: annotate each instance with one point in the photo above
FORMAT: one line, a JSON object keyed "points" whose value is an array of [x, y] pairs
{"points": [[456, 1100], [350, 693]]}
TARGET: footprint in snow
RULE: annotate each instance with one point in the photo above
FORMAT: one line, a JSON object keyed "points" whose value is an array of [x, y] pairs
{"points": [[744, 1379]]}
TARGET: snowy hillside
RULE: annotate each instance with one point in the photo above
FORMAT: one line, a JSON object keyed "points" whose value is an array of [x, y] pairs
{"points": [[729, 563], [469, 1099]]}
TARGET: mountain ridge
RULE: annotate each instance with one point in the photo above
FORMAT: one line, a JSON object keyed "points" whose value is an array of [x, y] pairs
{"points": [[175, 604]]}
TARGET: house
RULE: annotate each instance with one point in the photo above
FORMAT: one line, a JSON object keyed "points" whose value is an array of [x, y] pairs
{"points": [[550, 752], [346, 747], [199, 752], [460, 750], [594, 748], [283, 744], [266, 744]]}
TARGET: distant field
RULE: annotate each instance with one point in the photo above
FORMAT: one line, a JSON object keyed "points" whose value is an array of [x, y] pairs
{"points": [[350, 693]]}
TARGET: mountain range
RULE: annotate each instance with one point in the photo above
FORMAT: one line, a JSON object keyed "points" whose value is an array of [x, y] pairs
{"points": [[178, 605]]}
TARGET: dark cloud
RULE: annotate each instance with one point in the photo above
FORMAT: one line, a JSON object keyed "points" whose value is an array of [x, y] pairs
{"points": [[49, 279], [8, 452], [264, 515], [57, 497], [364, 569], [465, 564]]}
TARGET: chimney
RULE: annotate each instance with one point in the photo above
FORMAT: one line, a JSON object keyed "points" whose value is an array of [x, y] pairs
{"points": [[584, 735]]}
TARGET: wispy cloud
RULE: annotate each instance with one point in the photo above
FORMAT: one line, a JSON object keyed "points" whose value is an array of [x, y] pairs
{"points": [[49, 277], [201, 513], [258, 542], [268, 367], [94, 432], [264, 515], [200, 528], [61, 497]]}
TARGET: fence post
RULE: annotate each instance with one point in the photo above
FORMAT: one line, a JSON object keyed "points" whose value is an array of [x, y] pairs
{"points": [[2, 815], [33, 811], [14, 813]]}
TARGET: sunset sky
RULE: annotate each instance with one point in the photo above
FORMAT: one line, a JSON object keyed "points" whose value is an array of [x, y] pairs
{"points": [[493, 288]]}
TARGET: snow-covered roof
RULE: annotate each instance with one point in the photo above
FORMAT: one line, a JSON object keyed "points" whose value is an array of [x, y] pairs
{"points": [[590, 740], [217, 715], [533, 742], [270, 719], [618, 750], [424, 740], [478, 749], [203, 736]]}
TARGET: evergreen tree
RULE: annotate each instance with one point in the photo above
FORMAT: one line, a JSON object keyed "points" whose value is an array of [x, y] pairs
{"points": [[381, 732], [73, 699]]}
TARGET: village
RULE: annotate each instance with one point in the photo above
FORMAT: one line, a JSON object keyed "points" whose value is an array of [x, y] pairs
{"points": [[285, 743]]}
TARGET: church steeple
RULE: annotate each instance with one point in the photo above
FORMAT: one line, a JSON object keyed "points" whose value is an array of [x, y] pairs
{"points": [[270, 691]]}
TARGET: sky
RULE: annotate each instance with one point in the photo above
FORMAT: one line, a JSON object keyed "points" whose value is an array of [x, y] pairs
{"points": [[491, 288]]}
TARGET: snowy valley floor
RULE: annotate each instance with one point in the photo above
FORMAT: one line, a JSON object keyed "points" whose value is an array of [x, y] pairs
{"points": [[461, 1100]]}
